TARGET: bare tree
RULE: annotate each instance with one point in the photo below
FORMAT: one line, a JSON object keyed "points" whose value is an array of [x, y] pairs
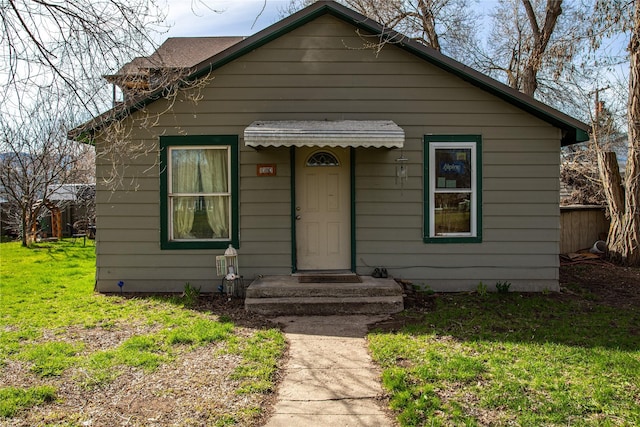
{"points": [[68, 45], [445, 25], [36, 159], [579, 162], [534, 45], [623, 16], [65, 47]]}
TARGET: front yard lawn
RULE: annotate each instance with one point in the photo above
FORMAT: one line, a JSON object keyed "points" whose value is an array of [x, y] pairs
{"points": [[69, 356], [568, 359]]}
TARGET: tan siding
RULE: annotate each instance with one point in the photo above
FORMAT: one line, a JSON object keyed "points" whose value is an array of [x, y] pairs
{"points": [[262, 196], [520, 196], [132, 172], [284, 110], [125, 248], [537, 159], [415, 253], [130, 223], [550, 210], [521, 171], [329, 77], [336, 91], [266, 209], [523, 235], [348, 104], [149, 261], [258, 222], [510, 139], [122, 210], [129, 197], [520, 184], [119, 235], [514, 222]]}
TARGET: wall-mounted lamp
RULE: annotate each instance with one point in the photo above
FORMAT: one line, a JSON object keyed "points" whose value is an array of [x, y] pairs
{"points": [[402, 170]]}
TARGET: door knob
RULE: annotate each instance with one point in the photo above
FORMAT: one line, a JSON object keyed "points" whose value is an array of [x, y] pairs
{"points": [[298, 217]]}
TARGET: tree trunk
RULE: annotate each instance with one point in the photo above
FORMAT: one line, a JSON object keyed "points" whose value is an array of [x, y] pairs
{"points": [[541, 37], [429, 23], [614, 193], [624, 203], [529, 79], [25, 230], [632, 172]]}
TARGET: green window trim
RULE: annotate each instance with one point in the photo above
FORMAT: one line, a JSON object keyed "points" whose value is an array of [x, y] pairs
{"points": [[168, 142], [468, 142]]}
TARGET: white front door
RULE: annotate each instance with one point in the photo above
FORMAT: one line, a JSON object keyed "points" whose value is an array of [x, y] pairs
{"points": [[323, 209]]}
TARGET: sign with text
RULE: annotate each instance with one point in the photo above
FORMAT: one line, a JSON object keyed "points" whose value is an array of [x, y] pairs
{"points": [[266, 170]]}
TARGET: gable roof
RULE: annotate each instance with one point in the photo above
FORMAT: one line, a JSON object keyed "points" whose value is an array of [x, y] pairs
{"points": [[178, 52], [573, 130]]}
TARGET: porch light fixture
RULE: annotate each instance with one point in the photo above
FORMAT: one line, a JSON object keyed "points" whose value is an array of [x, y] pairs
{"points": [[402, 170]]}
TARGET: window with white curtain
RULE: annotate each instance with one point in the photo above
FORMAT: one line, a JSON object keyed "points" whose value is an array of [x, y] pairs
{"points": [[199, 193], [198, 202]]}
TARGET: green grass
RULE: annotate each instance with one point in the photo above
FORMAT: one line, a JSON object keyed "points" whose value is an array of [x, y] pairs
{"points": [[511, 359], [13, 399], [260, 354], [50, 358], [47, 303]]}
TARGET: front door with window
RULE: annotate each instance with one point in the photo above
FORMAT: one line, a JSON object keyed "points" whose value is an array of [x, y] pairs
{"points": [[323, 209]]}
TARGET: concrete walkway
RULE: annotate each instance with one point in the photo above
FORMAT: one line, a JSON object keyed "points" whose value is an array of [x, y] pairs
{"points": [[329, 379]]}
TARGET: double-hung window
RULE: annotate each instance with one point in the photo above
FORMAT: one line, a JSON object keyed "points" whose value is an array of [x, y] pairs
{"points": [[453, 199], [199, 203]]}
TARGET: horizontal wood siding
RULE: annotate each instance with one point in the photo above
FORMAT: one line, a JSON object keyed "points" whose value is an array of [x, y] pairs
{"points": [[321, 72]]}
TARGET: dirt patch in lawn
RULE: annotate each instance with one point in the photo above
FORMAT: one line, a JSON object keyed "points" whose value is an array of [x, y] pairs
{"points": [[196, 388], [601, 282]]}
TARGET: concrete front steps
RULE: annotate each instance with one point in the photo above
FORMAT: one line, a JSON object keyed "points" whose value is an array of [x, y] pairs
{"points": [[284, 295]]}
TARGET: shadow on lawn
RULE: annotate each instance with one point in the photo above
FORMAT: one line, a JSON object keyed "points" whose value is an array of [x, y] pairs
{"points": [[227, 309], [587, 314], [64, 249]]}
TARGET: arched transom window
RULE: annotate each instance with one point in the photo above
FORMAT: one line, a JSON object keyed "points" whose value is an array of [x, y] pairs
{"points": [[322, 158]]}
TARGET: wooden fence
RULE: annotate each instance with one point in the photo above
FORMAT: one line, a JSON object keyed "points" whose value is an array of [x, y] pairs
{"points": [[581, 227]]}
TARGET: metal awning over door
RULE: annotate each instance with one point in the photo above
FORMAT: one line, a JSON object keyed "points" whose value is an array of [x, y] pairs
{"points": [[311, 133]]}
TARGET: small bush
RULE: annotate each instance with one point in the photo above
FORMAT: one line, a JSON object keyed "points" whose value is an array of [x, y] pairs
{"points": [[481, 289], [503, 287], [190, 295]]}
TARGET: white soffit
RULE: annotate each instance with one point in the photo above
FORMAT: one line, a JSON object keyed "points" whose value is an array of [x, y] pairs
{"points": [[310, 133]]}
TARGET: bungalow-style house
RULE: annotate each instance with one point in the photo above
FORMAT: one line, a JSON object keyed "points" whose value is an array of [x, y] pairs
{"points": [[327, 143]]}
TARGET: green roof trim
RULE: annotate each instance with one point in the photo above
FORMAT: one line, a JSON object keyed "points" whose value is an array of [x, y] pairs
{"points": [[574, 131]]}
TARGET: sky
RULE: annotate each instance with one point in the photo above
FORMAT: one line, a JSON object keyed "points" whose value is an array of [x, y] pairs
{"points": [[221, 17], [233, 17]]}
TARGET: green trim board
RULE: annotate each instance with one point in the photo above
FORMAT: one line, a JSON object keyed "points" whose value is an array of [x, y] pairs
{"points": [[294, 248], [453, 139], [573, 130], [198, 140], [352, 161]]}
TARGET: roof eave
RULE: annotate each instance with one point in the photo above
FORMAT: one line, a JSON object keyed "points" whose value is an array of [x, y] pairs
{"points": [[574, 131]]}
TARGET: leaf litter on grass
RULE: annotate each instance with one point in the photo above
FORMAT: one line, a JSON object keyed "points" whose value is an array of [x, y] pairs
{"points": [[156, 362]]}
